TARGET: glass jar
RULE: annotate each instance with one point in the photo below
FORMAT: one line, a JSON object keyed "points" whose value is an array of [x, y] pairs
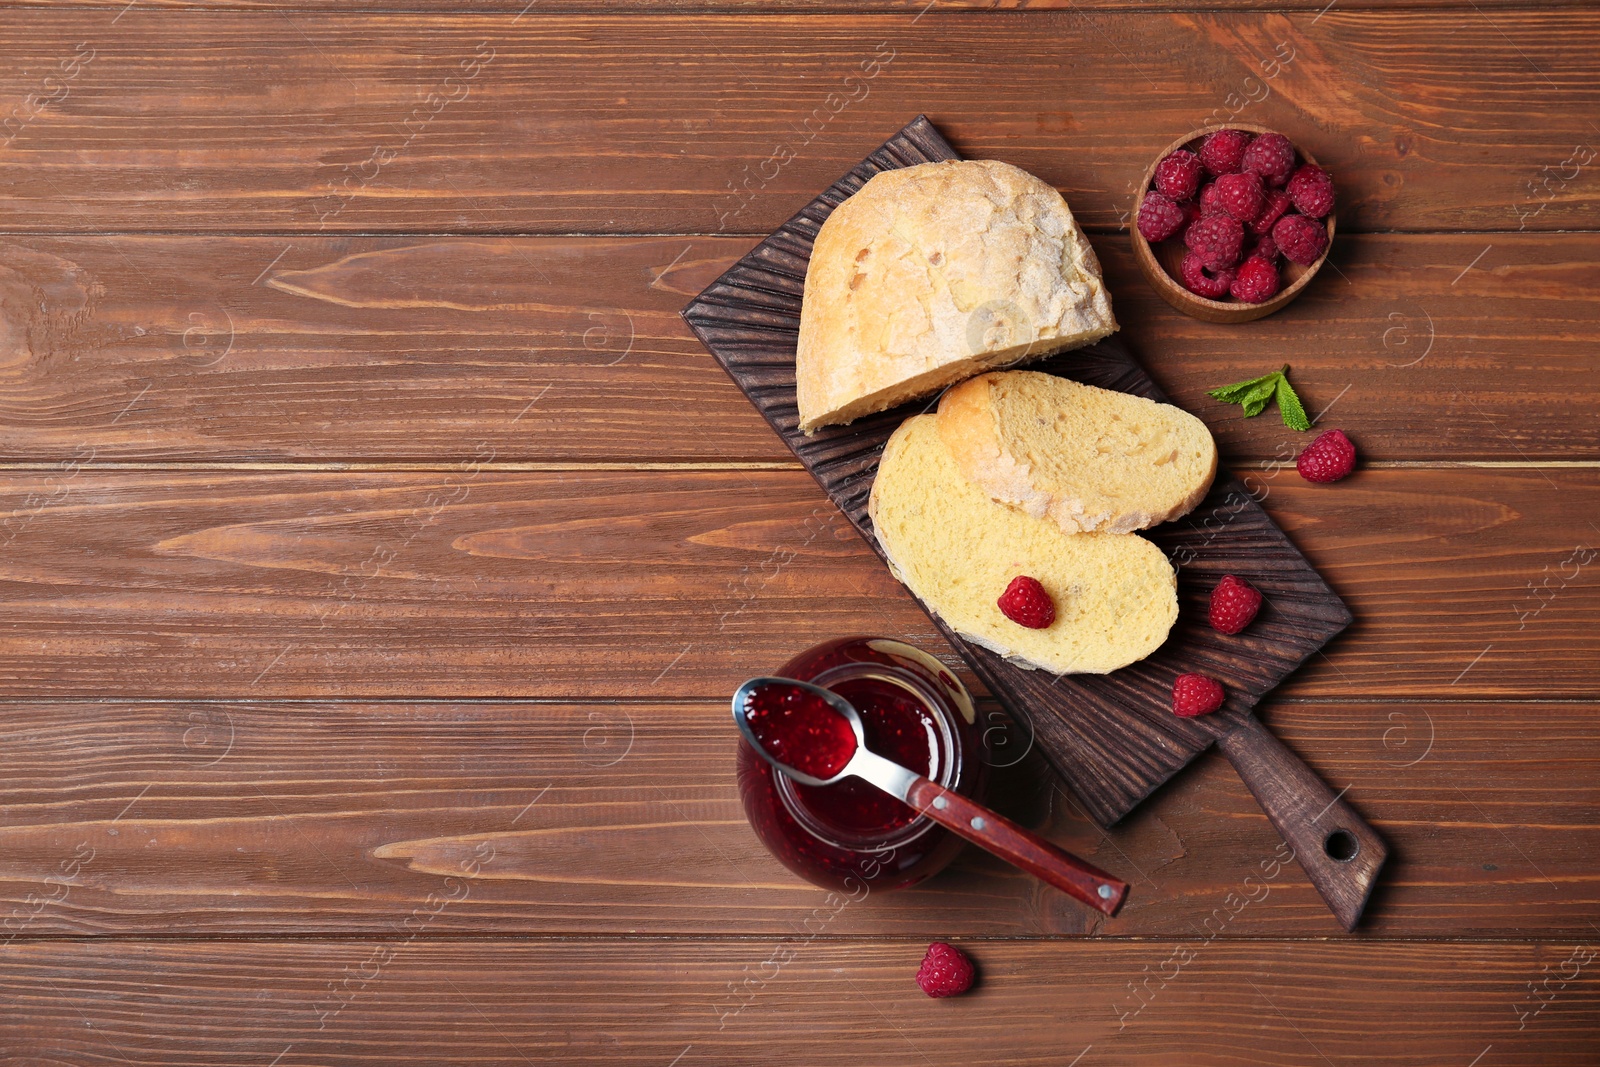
{"points": [[852, 836]]}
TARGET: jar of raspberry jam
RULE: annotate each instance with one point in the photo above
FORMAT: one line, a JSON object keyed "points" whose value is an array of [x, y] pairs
{"points": [[852, 836]]}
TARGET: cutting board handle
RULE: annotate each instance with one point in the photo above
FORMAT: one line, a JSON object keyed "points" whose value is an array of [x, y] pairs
{"points": [[1334, 845]]}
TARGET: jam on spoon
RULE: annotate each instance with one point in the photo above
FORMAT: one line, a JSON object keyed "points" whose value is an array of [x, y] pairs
{"points": [[798, 728]]}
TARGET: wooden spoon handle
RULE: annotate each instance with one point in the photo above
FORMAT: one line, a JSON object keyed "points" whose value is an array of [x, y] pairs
{"points": [[1334, 845], [1015, 845]]}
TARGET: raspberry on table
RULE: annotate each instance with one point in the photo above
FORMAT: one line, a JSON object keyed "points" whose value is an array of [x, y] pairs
{"points": [[1213, 285], [1301, 240], [1178, 175], [1223, 152], [1160, 217], [1027, 603], [1217, 240], [1311, 189], [1272, 156], [1196, 694], [1255, 282], [1240, 195], [1274, 203], [1234, 603], [946, 971], [1327, 459]]}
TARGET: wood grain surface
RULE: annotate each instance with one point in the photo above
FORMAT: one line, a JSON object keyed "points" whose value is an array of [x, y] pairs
{"points": [[417, 350], [604, 1001], [643, 123], [264, 818], [365, 506], [647, 584], [816, 7]]}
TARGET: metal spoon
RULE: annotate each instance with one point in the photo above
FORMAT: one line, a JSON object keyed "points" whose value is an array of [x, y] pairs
{"points": [[972, 821]]}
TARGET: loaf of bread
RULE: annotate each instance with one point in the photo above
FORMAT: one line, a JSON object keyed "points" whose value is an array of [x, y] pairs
{"points": [[1086, 458], [957, 550], [933, 273]]}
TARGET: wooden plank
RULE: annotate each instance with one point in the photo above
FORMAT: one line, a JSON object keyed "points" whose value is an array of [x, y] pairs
{"points": [[211, 120], [822, 1002], [430, 350], [264, 819], [470, 583], [811, 7]]}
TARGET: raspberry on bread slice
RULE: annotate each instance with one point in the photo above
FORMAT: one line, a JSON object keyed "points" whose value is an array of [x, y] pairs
{"points": [[1115, 595], [1089, 459]]}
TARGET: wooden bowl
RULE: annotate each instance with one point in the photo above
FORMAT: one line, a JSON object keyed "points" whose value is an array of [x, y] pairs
{"points": [[1159, 265]]}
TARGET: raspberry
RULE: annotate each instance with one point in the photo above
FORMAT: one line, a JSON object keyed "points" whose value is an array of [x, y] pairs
{"points": [[1300, 239], [1217, 240], [1265, 248], [1159, 217], [1223, 152], [1274, 203], [1256, 281], [1178, 176], [1026, 603], [1272, 156], [1199, 281], [1311, 189], [1327, 459], [1210, 202], [1192, 213], [1240, 195], [1234, 602], [945, 972], [1196, 694]]}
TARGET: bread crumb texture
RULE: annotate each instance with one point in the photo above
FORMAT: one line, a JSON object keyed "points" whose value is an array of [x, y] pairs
{"points": [[957, 550], [931, 274], [1089, 459]]}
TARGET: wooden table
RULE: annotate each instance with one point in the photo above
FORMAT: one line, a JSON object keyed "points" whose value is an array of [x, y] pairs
{"points": [[379, 547]]}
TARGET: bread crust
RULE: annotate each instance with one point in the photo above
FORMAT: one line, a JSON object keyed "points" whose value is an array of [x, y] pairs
{"points": [[969, 425], [933, 273]]}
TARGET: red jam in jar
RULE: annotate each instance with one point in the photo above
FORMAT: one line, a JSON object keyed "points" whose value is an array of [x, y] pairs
{"points": [[850, 835]]}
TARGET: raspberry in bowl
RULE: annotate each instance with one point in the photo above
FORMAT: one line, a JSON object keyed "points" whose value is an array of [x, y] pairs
{"points": [[1246, 237], [851, 836]]}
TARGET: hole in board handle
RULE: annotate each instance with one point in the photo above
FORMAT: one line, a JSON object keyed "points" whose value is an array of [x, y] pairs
{"points": [[1341, 845]]}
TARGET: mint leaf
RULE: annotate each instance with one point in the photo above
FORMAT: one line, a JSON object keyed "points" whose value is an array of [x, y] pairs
{"points": [[1262, 393], [1254, 396], [1289, 406], [1235, 393]]}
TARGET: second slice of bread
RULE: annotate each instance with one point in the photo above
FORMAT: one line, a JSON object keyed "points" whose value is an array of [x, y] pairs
{"points": [[1089, 459], [957, 550]]}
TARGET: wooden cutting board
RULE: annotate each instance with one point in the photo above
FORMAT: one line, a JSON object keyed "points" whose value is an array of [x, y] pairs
{"points": [[1113, 738]]}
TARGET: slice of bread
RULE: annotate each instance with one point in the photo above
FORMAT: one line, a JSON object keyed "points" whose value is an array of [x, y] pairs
{"points": [[1115, 594], [933, 273], [1088, 459]]}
